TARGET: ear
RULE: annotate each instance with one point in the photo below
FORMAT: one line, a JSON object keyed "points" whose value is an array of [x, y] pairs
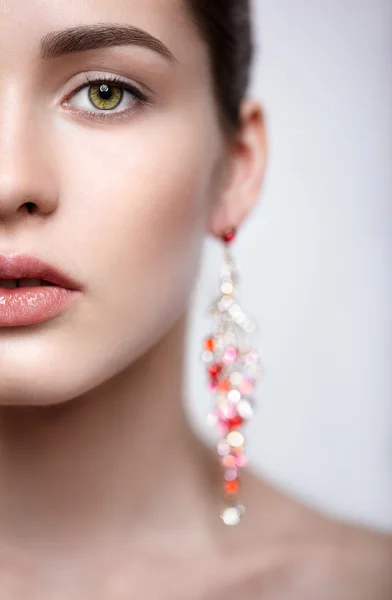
{"points": [[243, 171]]}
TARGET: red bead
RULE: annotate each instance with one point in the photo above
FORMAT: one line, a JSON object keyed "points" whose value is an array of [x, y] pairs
{"points": [[215, 369], [210, 344], [229, 235], [235, 421], [231, 487]]}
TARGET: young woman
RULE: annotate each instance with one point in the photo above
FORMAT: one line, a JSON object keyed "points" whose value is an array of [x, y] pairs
{"points": [[126, 138]]}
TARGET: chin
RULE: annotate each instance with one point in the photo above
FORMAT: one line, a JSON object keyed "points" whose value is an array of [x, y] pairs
{"points": [[52, 371], [48, 378], [41, 387]]}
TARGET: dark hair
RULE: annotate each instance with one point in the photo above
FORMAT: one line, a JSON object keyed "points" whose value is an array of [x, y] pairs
{"points": [[226, 27]]}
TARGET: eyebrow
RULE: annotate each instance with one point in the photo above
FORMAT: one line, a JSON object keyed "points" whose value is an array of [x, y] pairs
{"points": [[99, 35]]}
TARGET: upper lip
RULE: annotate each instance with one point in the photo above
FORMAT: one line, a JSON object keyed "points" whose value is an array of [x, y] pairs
{"points": [[25, 266]]}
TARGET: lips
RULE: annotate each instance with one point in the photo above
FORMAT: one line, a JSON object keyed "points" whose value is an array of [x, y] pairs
{"points": [[25, 266], [32, 291]]}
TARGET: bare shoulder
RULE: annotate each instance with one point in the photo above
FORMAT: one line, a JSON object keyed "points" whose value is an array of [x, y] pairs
{"points": [[340, 562], [358, 561], [336, 560], [347, 563], [299, 553]]}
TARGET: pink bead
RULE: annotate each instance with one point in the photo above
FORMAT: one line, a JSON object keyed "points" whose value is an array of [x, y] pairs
{"points": [[227, 412], [241, 460], [213, 386], [231, 474], [246, 387], [229, 461], [230, 355], [223, 428], [223, 448]]}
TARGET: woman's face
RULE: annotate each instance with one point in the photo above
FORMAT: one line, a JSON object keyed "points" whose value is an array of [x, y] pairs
{"points": [[122, 187]]}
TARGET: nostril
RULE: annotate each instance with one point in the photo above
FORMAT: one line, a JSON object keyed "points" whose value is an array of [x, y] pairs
{"points": [[30, 207]]}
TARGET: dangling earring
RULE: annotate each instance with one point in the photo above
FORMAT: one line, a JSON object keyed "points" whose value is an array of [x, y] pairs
{"points": [[233, 367]]}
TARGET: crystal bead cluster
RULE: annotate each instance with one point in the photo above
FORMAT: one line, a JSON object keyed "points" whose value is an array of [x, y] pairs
{"points": [[233, 367]]}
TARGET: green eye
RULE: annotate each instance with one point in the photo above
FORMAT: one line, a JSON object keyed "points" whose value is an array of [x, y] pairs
{"points": [[98, 98], [105, 97]]}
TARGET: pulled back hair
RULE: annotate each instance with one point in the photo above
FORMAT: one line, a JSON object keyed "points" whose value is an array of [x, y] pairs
{"points": [[225, 25]]}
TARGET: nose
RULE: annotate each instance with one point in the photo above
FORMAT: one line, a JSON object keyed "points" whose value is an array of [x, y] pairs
{"points": [[27, 185]]}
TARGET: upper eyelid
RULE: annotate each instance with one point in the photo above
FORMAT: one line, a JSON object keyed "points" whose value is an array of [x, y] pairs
{"points": [[102, 76], [109, 79]]}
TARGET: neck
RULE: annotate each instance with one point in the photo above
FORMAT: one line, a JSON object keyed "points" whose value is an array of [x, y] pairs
{"points": [[119, 463]]}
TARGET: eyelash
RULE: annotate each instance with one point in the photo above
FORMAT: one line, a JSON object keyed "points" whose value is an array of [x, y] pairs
{"points": [[141, 99]]}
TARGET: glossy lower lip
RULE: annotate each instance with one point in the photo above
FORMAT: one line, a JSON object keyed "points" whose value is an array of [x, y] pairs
{"points": [[33, 304]]}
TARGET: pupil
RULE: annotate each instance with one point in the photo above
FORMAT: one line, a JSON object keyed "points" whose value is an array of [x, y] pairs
{"points": [[105, 92]]}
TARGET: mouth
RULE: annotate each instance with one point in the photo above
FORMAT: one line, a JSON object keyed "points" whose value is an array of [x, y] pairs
{"points": [[32, 291], [14, 283]]}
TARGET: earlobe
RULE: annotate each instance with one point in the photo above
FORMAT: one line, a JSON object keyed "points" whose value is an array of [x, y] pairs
{"points": [[244, 170]]}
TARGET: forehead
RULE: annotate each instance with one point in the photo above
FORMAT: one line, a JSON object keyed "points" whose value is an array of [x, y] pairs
{"points": [[171, 21]]}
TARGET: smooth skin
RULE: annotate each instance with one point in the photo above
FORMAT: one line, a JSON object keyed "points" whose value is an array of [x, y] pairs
{"points": [[105, 491]]}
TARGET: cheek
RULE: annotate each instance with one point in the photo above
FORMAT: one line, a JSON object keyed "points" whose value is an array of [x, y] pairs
{"points": [[141, 208], [138, 213]]}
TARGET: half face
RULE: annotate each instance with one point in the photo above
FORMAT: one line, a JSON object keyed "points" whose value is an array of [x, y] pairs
{"points": [[109, 130]]}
